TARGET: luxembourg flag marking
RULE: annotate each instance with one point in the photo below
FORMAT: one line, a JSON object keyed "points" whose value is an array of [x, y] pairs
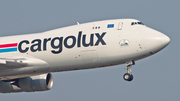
{"points": [[12, 47]]}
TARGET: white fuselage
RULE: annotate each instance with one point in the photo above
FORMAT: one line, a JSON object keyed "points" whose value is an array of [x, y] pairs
{"points": [[84, 46]]}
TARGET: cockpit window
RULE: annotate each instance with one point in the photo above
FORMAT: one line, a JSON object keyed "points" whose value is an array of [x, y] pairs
{"points": [[137, 23], [140, 23], [132, 23]]}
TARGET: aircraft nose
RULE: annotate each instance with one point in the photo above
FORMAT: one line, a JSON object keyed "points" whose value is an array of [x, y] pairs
{"points": [[153, 40], [165, 40]]}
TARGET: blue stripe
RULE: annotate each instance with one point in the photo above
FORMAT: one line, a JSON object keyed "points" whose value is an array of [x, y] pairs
{"points": [[8, 50]]}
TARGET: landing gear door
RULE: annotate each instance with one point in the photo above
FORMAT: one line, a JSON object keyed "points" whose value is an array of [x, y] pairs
{"points": [[120, 25]]}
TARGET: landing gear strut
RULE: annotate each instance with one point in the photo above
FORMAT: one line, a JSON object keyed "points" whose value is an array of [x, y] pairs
{"points": [[128, 76]]}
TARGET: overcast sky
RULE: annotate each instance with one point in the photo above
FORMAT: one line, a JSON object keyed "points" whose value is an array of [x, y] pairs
{"points": [[156, 78]]}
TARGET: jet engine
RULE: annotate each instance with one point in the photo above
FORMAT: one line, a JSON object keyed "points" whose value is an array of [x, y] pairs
{"points": [[28, 84]]}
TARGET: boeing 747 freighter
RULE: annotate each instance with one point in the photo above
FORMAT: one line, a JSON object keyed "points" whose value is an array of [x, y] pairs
{"points": [[27, 61]]}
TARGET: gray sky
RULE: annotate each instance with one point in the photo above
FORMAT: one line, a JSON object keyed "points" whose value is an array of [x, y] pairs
{"points": [[156, 78]]}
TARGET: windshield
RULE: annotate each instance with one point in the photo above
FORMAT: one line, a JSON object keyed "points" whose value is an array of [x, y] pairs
{"points": [[137, 23]]}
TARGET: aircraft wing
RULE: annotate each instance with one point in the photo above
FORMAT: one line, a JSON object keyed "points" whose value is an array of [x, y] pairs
{"points": [[7, 63], [21, 62]]}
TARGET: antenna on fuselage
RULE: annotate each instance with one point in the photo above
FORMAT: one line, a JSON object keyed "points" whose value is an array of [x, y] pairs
{"points": [[77, 23]]}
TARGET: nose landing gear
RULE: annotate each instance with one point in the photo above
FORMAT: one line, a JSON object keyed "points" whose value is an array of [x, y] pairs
{"points": [[128, 76]]}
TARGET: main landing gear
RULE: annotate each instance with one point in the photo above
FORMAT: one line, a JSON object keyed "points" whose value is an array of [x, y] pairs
{"points": [[128, 76]]}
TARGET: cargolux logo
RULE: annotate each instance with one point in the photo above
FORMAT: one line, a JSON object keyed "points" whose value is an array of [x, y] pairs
{"points": [[57, 43]]}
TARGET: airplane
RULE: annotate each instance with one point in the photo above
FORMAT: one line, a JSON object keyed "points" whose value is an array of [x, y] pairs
{"points": [[27, 61]]}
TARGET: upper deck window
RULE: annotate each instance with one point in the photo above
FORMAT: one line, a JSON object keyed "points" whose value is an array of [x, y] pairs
{"points": [[137, 23]]}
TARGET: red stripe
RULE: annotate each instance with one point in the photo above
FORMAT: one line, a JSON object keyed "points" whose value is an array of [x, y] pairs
{"points": [[8, 45]]}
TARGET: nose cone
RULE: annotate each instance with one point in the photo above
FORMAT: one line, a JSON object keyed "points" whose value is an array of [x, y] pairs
{"points": [[153, 40], [165, 40]]}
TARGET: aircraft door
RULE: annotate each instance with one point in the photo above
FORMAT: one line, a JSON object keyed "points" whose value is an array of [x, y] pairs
{"points": [[120, 25]]}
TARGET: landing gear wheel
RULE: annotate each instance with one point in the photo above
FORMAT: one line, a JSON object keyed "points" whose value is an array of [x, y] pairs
{"points": [[128, 77]]}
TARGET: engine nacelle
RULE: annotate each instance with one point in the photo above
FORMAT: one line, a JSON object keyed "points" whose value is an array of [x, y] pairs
{"points": [[28, 84]]}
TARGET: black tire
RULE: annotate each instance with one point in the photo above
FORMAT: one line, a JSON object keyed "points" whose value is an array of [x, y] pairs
{"points": [[131, 77], [128, 77]]}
